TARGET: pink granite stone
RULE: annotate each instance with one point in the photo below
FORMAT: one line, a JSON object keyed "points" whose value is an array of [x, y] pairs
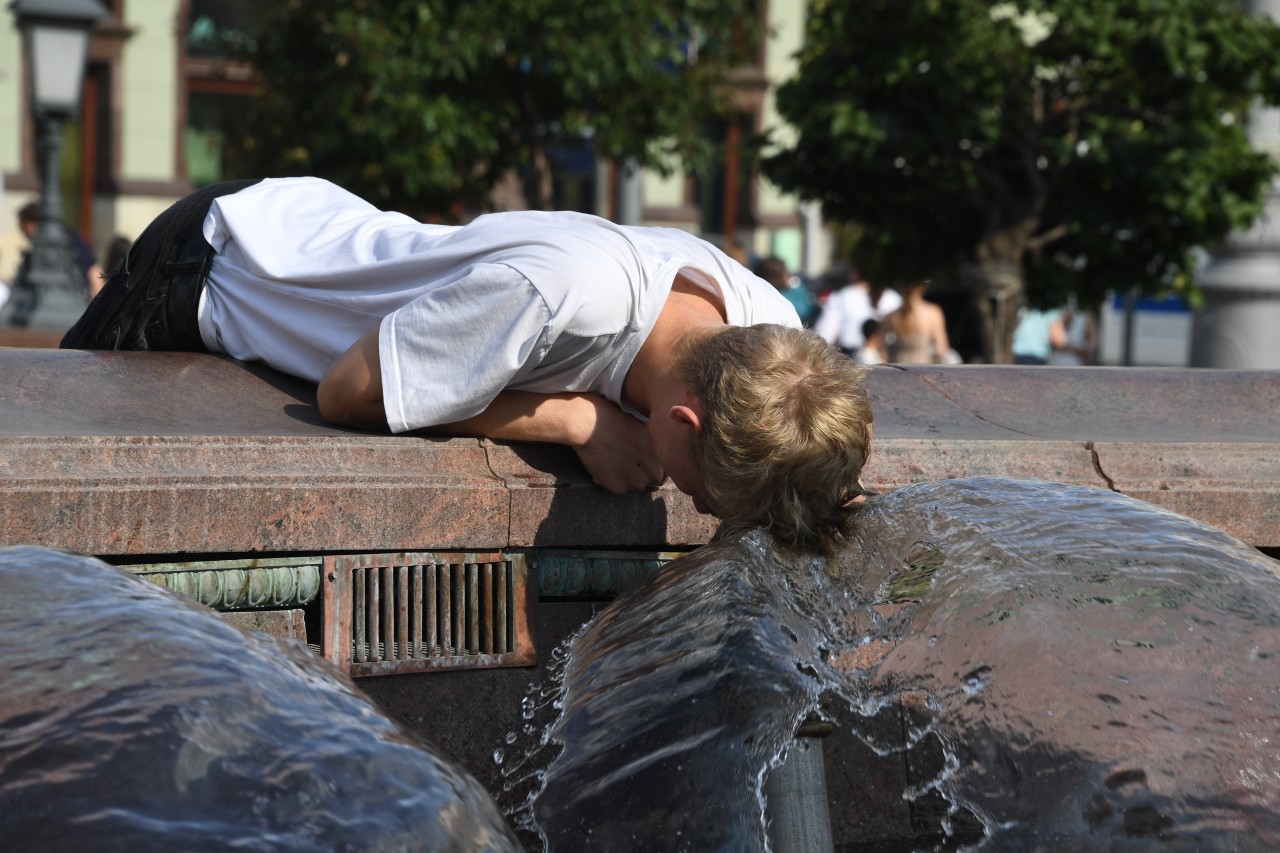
{"points": [[554, 502], [1114, 403], [150, 453], [157, 453]]}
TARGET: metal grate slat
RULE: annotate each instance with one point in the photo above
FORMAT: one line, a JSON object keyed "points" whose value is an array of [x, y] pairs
{"points": [[415, 617], [358, 629], [460, 609], [445, 614], [402, 613], [374, 619], [430, 599], [502, 617], [473, 608], [410, 613], [387, 590], [486, 602]]}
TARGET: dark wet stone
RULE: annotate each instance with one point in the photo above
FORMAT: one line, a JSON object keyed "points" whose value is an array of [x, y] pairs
{"points": [[1125, 692], [132, 719]]}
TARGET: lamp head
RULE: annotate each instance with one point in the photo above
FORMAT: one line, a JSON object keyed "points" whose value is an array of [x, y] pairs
{"points": [[56, 37]]}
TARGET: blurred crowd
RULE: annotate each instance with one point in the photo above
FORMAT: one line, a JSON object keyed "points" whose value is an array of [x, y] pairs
{"points": [[877, 324]]}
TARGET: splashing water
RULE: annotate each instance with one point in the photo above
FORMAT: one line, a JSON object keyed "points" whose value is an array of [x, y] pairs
{"points": [[675, 702], [1096, 668], [1074, 669]]}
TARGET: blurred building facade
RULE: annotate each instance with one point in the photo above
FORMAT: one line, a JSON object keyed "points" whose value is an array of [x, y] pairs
{"points": [[157, 85]]}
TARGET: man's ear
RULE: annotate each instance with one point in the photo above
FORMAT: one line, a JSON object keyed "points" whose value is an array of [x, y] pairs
{"points": [[687, 415]]}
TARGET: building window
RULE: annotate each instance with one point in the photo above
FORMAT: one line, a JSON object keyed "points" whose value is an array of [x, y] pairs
{"points": [[724, 195], [219, 80]]}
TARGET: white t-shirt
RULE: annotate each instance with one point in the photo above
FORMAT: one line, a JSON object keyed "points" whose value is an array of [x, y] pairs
{"points": [[543, 302], [848, 309]]}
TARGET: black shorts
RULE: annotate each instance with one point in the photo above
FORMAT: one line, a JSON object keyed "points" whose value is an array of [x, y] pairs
{"points": [[150, 301]]}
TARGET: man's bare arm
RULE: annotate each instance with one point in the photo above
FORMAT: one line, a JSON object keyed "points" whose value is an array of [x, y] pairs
{"points": [[350, 392], [612, 445]]}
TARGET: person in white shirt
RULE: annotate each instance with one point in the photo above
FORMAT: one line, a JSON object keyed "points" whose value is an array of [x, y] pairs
{"points": [[844, 317], [647, 350]]}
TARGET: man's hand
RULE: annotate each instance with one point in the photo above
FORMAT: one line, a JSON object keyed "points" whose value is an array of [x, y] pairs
{"points": [[617, 454], [613, 446]]}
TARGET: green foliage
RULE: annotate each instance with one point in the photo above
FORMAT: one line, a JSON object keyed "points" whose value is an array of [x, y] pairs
{"points": [[422, 105], [1094, 142]]}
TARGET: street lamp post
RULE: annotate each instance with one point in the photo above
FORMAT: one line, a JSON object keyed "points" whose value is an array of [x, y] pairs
{"points": [[55, 35]]}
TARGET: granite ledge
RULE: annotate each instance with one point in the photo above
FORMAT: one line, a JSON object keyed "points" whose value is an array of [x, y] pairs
{"points": [[178, 453]]}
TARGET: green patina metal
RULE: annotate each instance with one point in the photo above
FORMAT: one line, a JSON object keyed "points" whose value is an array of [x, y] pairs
{"points": [[281, 582], [385, 614], [576, 573], [246, 584], [253, 584]]}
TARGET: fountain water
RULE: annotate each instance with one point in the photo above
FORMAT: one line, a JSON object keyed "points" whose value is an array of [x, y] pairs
{"points": [[1075, 670], [1078, 670], [134, 719]]}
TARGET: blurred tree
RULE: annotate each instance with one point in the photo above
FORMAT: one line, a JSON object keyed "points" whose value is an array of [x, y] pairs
{"points": [[424, 105], [1030, 148]]}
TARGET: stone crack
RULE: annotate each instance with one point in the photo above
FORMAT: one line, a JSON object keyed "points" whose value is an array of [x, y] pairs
{"points": [[1097, 465]]}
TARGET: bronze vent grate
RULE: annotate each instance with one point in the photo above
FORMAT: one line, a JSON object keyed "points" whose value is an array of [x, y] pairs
{"points": [[415, 612]]}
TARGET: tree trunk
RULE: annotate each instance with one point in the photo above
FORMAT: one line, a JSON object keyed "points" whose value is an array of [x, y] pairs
{"points": [[536, 182], [996, 284], [996, 290]]}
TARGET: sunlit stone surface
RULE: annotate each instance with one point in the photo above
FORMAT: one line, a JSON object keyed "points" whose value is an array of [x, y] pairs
{"points": [[132, 719], [1079, 671]]}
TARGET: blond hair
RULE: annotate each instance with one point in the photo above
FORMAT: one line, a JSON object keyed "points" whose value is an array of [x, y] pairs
{"points": [[786, 430]]}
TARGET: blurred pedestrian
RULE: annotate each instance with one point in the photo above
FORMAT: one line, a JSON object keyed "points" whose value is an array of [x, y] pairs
{"points": [[1081, 331], [916, 333], [846, 312], [85, 259], [774, 270], [1038, 333]]}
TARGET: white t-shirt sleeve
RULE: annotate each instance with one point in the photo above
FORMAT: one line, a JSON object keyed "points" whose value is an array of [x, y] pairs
{"points": [[448, 353]]}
